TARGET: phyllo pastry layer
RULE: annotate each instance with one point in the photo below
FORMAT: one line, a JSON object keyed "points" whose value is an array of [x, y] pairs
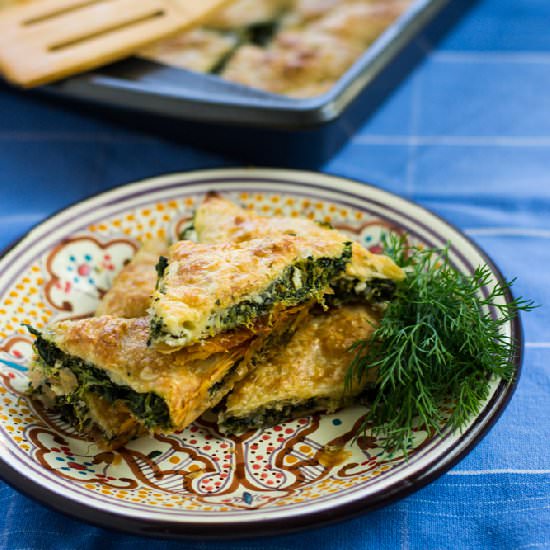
{"points": [[101, 372], [306, 375], [368, 277], [207, 289], [132, 289]]}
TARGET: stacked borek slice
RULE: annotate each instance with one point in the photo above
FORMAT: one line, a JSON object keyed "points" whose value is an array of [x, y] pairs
{"points": [[261, 308]]}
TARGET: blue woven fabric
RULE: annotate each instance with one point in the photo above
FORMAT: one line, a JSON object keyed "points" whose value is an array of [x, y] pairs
{"points": [[467, 135]]}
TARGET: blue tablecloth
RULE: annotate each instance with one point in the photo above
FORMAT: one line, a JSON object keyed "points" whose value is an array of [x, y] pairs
{"points": [[466, 135]]}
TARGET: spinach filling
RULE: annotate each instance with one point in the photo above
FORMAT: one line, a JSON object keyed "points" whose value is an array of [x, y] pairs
{"points": [[73, 411], [188, 233], [219, 66], [275, 413], [160, 268], [149, 408], [279, 412], [262, 33], [156, 329], [375, 291], [297, 284], [269, 416]]}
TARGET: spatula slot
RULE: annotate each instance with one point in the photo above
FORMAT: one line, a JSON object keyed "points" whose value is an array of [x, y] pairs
{"points": [[107, 30], [62, 11]]}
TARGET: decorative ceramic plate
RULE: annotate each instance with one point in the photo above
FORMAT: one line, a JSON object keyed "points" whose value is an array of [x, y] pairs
{"points": [[197, 482]]}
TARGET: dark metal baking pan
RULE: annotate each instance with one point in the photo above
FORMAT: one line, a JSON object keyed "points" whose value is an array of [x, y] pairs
{"points": [[158, 89], [249, 125]]}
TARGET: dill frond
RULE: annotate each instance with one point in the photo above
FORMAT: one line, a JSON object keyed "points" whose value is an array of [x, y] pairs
{"points": [[439, 342]]}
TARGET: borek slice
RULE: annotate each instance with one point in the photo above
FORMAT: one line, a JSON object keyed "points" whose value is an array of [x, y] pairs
{"points": [[306, 375], [207, 289], [100, 372], [368, 277]]}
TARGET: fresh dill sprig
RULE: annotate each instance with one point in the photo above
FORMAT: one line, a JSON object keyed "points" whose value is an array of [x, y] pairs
{"points": [[437, 346]]}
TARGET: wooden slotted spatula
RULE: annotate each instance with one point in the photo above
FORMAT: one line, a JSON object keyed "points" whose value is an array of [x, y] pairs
{"points": [[48, 40]]}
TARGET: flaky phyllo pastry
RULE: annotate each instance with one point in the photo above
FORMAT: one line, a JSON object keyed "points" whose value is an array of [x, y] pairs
{"points": [[104, 378], [261, 310], [367, 276], [130, 295], [207, 289], [306, 374]]}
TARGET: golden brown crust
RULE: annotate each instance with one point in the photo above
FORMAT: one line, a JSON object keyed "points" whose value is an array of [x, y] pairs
{"points": [[220, 220], [119, 347], [313, 364], [202, 279], [130, 294], [191, 381]]}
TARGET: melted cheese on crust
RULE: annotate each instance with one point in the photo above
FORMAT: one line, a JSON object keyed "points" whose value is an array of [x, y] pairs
{"points": [[220, 220], [313, 364], [130, 294], [202, 279]]}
